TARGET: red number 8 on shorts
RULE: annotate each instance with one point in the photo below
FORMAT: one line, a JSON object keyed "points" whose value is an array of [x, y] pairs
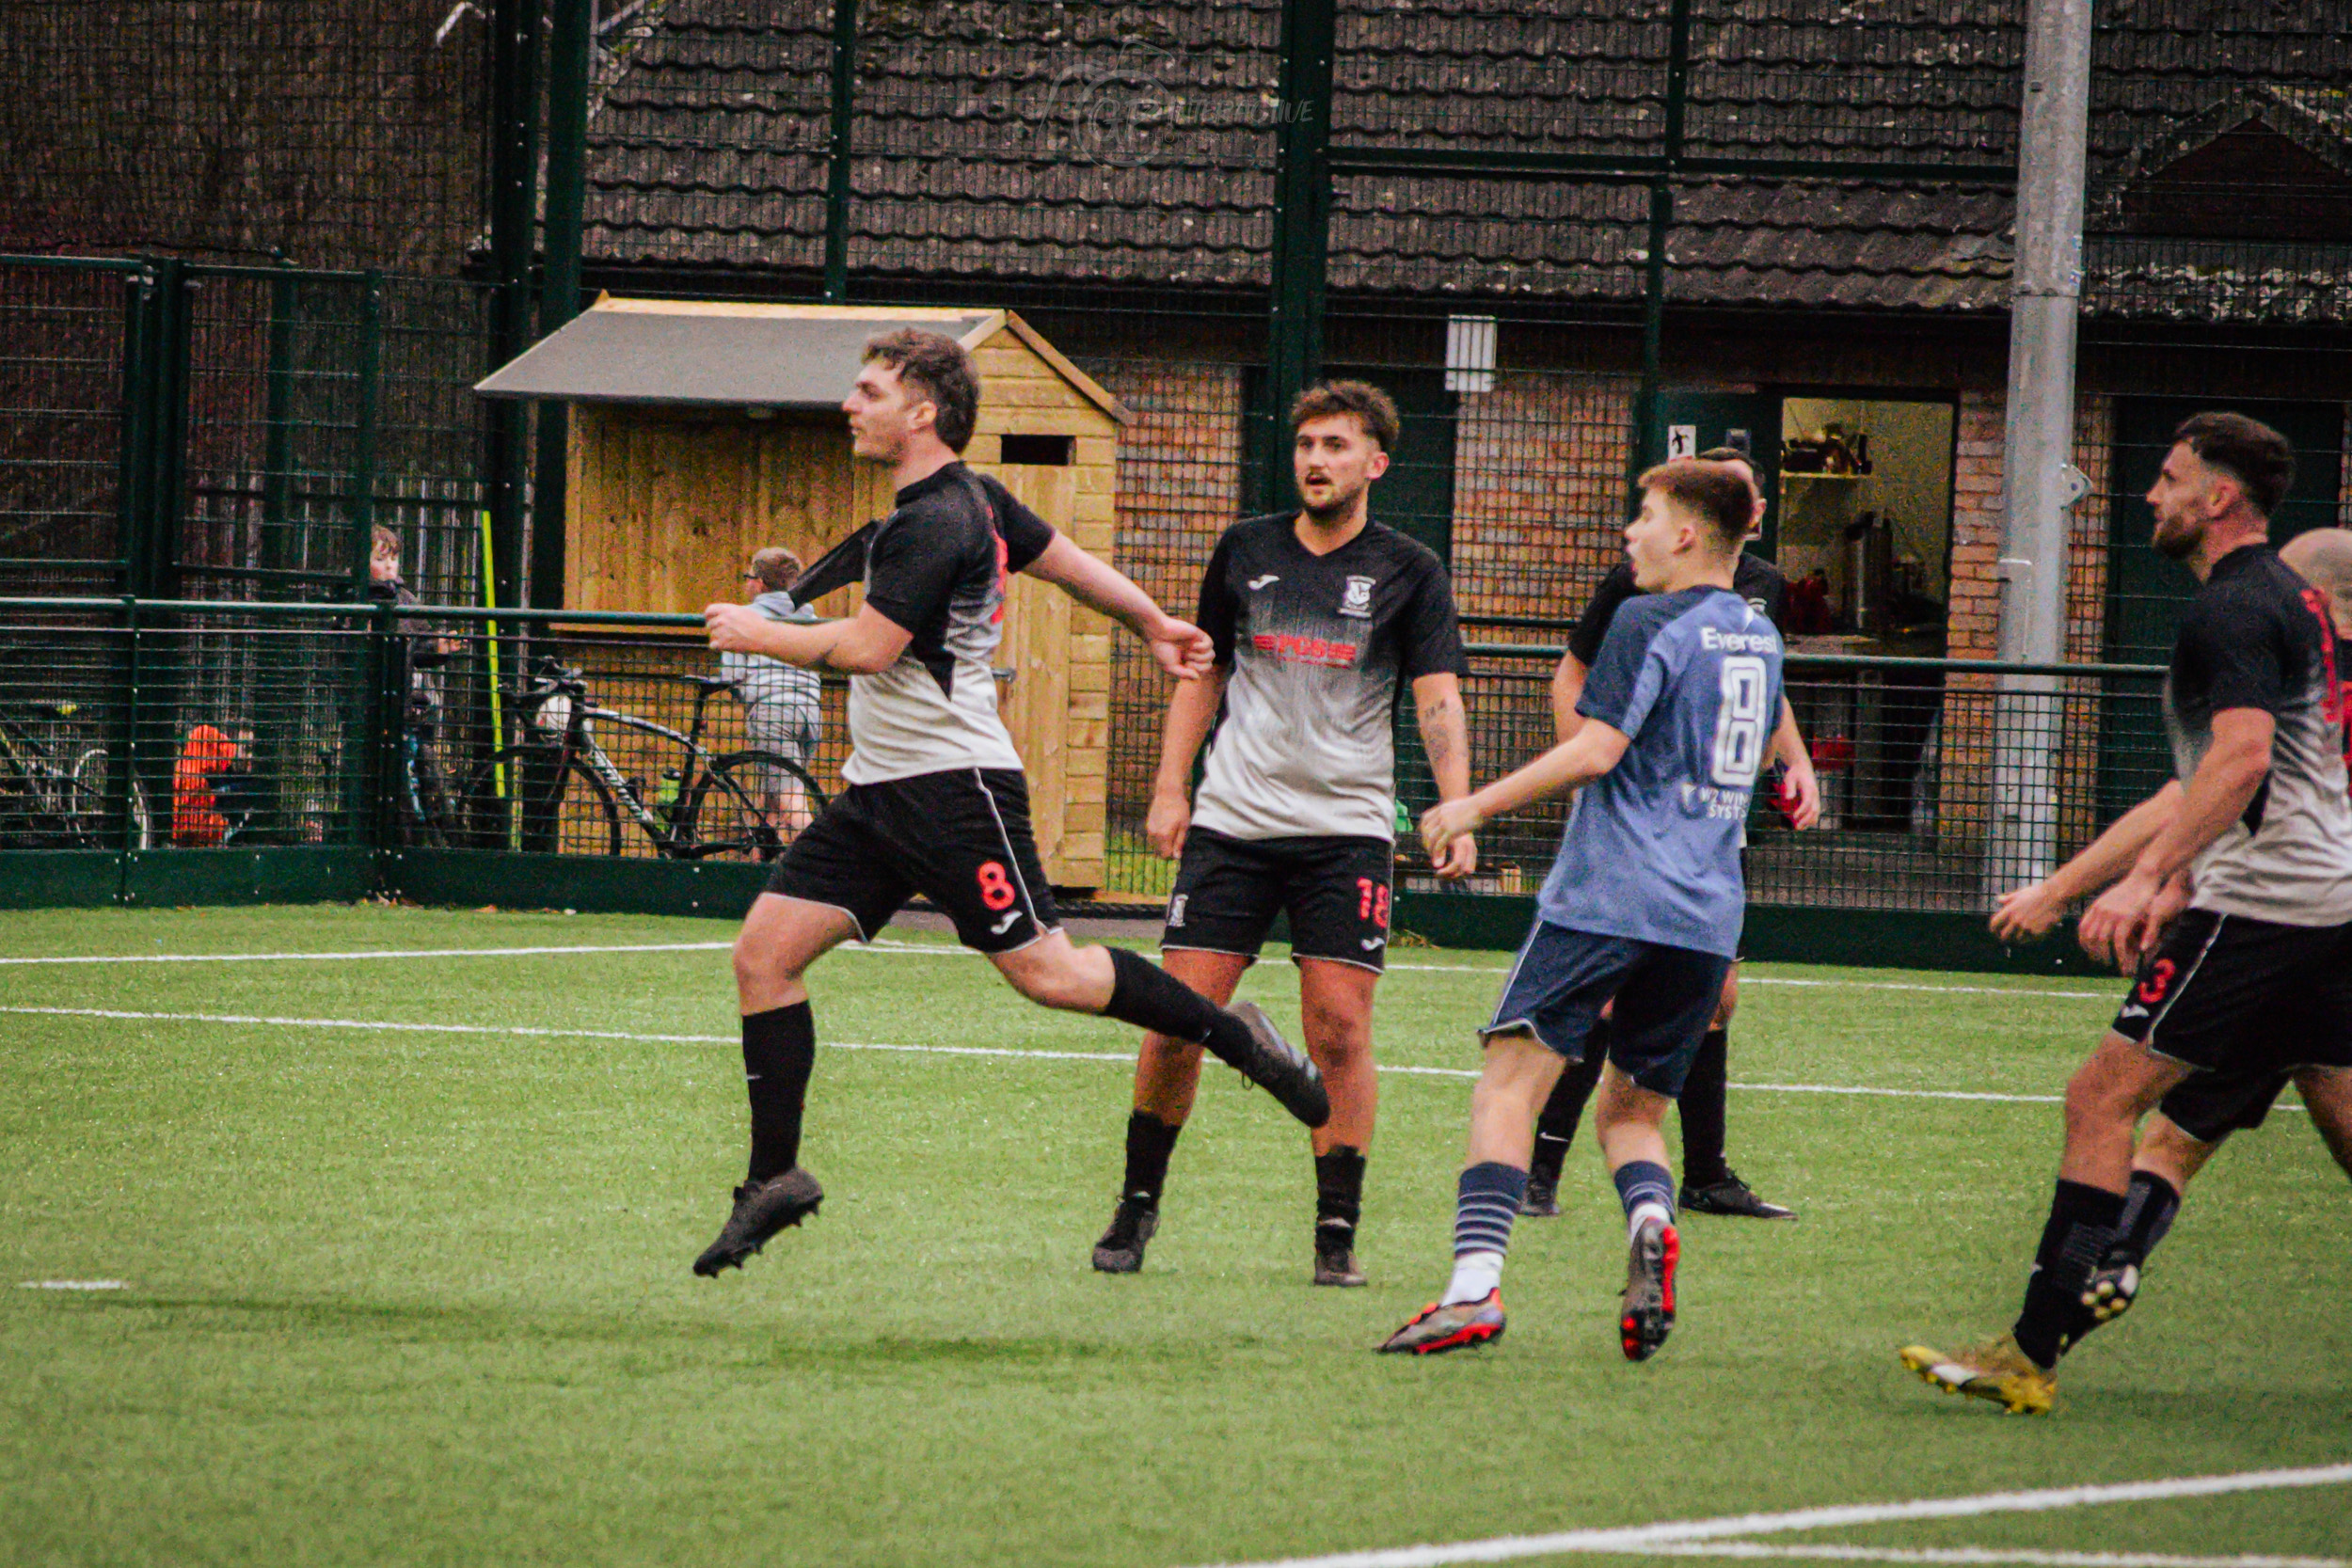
{"points": [[995, 891]]}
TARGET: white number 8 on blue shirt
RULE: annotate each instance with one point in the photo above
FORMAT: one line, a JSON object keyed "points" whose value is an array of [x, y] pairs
{"points": [[1740, 721]]}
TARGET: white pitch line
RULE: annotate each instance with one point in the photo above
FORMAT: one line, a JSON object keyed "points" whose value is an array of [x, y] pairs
{"points": [[2025, 1556], [71, 1285], [910, 949], [539, 1032], [1664, 1537], [343, 958]]}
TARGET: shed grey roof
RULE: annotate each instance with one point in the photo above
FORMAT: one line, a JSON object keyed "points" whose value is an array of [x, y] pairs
{"points": [[1107, 144], [736, 358]]}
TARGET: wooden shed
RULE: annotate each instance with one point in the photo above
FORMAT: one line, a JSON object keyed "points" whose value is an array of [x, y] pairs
{"points": [[703, 430]]}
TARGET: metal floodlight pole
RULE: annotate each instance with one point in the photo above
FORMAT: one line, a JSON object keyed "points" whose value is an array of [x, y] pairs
{"points": [[2038, 483], [569, 47], [1301, 260], [837, 151], [513, 212]]}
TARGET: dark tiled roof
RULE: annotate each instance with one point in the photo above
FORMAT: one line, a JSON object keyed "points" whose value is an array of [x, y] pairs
{"points": [[1115, 144]]}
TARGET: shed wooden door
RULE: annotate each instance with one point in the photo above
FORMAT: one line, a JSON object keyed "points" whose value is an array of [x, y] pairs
{"points": [[1065, 803]]}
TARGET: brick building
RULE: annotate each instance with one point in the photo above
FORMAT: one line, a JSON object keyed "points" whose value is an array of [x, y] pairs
{"points": [[1110, 171]]}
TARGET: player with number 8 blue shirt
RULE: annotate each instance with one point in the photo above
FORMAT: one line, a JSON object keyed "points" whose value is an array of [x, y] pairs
{"points": [[1643, 903]]}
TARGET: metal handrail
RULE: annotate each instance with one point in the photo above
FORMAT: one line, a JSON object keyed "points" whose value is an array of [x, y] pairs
{"points": [[1864, 661], [694, 622]]}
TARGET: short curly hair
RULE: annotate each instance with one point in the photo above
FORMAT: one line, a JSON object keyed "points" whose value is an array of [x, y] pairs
{"points": [[938, 366], [1374, 409]]}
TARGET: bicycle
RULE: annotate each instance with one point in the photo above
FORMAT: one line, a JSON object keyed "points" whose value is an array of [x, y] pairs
{"points": [[53, 786], [708, 808]]}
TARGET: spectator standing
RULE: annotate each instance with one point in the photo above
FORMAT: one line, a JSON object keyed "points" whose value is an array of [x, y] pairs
{"points": [[782, 710]]}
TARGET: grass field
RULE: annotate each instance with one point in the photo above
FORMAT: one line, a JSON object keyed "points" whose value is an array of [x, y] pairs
{"points": [[419, 1295]]}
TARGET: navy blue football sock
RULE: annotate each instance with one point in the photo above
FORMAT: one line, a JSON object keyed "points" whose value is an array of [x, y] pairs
{"points": [[1643, 1184], [1486, 1199]]}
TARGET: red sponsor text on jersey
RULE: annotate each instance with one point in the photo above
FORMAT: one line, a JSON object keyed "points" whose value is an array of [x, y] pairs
{"points": [[1292, 649]]}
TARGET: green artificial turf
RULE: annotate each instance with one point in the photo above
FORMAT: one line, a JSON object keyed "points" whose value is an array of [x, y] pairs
{"points": [[422, 1297]]}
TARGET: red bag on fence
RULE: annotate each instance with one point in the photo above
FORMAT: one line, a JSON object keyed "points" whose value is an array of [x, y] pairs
{"points": [[195, 818]]}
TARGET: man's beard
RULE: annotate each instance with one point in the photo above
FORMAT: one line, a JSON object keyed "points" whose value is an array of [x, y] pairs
{"points": [[1338, 506], [2177, 542]]}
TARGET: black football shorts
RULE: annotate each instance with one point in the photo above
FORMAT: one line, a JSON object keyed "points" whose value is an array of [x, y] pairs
{"points": [[1335, 889], [960, 838], [2244, 999]]}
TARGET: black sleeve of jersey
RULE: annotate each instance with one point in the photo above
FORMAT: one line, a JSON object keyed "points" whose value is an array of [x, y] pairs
{"points": [[1592, 628], [1026, 535], [1218, 607], [910, 571], [2245, 652], [1765, 584], [1429, 634]]}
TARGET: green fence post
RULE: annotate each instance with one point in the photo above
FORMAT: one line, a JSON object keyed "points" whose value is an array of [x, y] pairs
{"points": [[514, 211], [123, 752], [167, 427], [363, 433], [1302, 226], [568, 49], [135, 467], [1649, 445], [837, 151], [278, 430]]}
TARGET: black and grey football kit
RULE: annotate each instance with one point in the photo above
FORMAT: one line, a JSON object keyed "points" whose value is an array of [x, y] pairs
{"points": [[1753, 577], [1297, 809], [936, 802], [2255, 979], [2209, 1106]]}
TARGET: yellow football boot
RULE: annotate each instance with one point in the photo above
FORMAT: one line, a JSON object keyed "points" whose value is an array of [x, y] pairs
{"points": [[1998, 1372]]}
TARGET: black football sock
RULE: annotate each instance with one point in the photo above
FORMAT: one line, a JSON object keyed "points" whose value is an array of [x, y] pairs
{"points": [[1339, 1195], [1555, 1127], [779, 1051], [2150, 1205], [1150, 1142], [1148, 997], [2082, 1220], [1701, 1108]]}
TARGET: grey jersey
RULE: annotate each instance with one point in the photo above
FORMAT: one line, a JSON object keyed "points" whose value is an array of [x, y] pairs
{"points": [[2258, 637], [1314, 647], [937, 567]]}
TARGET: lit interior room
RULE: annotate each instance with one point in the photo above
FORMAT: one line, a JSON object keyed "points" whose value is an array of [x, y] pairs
{"points": [[1866, 530]]}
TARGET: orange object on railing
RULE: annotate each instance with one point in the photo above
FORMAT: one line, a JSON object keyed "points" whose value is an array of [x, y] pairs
{"points": [[195, 818]]}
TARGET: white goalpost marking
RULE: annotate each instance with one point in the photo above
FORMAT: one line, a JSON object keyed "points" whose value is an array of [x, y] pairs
{"points": [[1724, 1536]]}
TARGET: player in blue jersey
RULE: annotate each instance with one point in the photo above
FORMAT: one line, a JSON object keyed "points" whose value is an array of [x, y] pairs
{"points": [[1643, 903]]}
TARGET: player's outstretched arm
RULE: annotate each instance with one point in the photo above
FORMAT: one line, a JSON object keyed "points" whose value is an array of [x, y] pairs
{"points": [[1445, 740], [1182, 648], [866, 644], [2117, 928], [1597, 749], [2030, 910], [1190, 713]]}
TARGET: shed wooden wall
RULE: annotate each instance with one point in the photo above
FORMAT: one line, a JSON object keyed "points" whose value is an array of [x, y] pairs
{"points": [[667, 506]]}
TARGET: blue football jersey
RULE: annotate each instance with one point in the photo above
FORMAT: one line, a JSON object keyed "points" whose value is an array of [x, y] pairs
{"points": [[1651, 849]]}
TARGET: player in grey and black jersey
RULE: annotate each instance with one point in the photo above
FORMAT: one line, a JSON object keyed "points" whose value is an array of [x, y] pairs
{"points": [[936, 802], [2254, 977], [1318, 617]]}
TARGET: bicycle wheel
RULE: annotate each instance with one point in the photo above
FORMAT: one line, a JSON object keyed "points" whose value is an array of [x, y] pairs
{"points": [[93, 821], [566, 798], [750, 807]]}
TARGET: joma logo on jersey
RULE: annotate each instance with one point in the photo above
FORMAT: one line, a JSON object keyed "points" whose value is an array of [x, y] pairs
{"points": [[1358, 599]]}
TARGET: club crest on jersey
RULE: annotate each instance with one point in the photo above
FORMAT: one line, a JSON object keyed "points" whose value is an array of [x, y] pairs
{"points": [[1358, 599]]}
